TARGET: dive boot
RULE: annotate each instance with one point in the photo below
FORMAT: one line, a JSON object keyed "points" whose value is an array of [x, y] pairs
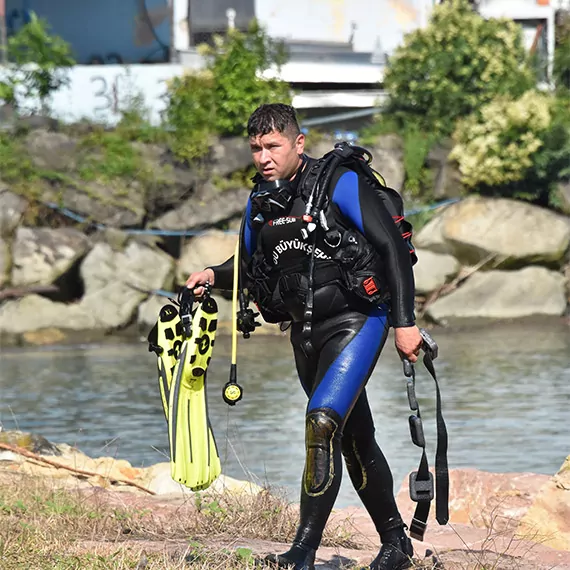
{"points": [[394, 555], [298, 557]]}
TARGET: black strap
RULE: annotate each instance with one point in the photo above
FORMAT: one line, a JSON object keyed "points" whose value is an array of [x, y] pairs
{"points": [[421, 481]]}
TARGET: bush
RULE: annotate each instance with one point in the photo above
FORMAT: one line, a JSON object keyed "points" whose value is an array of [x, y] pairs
{"points": [[39, 63], [219, 100], [514, 147], [458, 63]]}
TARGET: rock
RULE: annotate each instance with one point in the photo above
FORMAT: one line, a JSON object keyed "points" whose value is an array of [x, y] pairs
{"points": [[12, 208], [562, 197], [33, 122], [44, 336], [5, 262], [433, 270], [447, 178], [496, 501], [515, 232], [51, 151], [504, 295], [548, 519], [211, 248], [41, 255], [388, 160], [208, 207], [30, 442], [431, 235], [117, 282], [32, 313], [119, 205], [147, 314], [230, 154]]}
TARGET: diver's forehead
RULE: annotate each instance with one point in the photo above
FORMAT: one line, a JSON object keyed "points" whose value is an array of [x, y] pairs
{"points": [[274, 137]]}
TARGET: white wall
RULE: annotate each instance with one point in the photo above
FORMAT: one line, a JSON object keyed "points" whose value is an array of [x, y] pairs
{"points": [[98, 92], [330, 20]]}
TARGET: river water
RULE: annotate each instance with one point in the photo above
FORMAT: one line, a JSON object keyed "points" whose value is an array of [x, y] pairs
{"points": [[506, 393]]}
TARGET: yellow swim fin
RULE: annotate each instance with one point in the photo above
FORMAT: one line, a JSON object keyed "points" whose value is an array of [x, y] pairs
{"points": [[194, 459], [182, 364]]}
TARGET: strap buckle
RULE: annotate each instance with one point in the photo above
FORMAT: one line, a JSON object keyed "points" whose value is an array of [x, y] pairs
{"points": [[421, 489]]}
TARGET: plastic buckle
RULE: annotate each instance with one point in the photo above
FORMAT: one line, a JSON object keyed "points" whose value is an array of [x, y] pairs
{"points": [[421, 490], [429, 345]]}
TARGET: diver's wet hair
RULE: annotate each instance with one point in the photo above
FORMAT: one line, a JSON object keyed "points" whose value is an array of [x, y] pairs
{"points": [[273, 117]]}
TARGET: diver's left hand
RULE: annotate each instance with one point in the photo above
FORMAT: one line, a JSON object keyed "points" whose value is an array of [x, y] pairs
{"points": [[408, 342]]}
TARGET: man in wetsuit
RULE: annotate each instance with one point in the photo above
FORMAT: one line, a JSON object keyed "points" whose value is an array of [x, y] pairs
{"points": [[347, 334]]}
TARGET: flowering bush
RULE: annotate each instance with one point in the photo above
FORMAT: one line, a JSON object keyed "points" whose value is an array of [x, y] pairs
{"points": [[458, 63], [515, 147]]}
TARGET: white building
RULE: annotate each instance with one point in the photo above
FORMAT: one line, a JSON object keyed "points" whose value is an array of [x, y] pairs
{"points": [[337, 48]]}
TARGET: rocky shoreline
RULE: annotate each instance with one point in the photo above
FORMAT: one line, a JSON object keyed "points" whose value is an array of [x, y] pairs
{"points": [[504, 520], [101, 273]]}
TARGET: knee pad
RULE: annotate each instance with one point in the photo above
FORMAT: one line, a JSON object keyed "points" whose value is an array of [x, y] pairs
{"points": [[321, 431]]}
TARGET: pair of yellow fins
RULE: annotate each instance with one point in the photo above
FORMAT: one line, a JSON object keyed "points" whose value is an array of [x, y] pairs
{"points": [[183, 339]]}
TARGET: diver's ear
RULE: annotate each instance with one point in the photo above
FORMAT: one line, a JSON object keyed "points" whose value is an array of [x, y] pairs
{"points": [[300, 143]]}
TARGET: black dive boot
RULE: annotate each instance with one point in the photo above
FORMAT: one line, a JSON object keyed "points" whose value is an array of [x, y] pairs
{"points": [[298, 557], [396, 554]]}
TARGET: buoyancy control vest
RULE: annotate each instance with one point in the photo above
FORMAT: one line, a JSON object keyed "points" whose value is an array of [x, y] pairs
{"points": [[346, 256]]}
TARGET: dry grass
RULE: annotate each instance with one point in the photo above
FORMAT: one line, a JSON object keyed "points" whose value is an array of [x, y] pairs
{"points": [[44, 527]]}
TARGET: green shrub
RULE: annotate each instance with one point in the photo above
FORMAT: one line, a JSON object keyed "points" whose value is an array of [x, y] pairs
{"points": [[458, 63], [417, 145], [514, 147], [39, 61], [219, 100]]}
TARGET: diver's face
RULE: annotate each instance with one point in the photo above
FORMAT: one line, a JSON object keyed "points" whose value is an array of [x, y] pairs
{"points": [[275, 155]]}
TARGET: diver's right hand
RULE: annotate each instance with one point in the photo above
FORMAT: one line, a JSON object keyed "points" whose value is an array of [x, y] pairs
{"points": [[198, 279]]}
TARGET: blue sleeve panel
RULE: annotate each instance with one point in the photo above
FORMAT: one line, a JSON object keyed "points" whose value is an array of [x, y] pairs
{"points": [[224, 273], [345, 378], [358, 201]]}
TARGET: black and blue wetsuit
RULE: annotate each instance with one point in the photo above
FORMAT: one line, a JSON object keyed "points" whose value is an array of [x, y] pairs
{"points": [[348, 335]]}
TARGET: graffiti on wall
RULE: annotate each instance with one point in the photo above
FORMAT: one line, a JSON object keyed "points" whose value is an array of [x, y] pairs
{"points": [[103, 93], [115, 94]]}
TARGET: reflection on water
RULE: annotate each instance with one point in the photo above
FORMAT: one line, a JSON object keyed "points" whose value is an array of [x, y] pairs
{"points": [[506, 392]]}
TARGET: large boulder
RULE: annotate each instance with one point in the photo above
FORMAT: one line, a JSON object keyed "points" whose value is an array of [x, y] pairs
{"points": [[548, 519], [230, 154], [433, 270], [12, 208], [52, 150], [496, 501], [41, 255], [388, 159], [430, 237], [211, 248], [4, 262], [514, 233], [503, 295], [562, 195], [33, 313], [446, 175], [207, 207], [117, 282]]}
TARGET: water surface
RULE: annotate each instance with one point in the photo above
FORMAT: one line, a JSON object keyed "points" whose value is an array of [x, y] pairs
{"points": [[506, 392]]}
